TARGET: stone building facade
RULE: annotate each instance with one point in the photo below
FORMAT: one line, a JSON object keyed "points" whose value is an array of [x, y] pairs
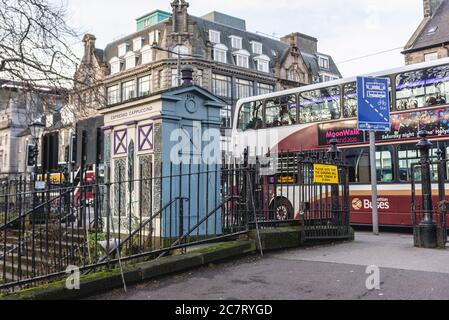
{"points": [[21, 105], [227, 59], [431, 39]]}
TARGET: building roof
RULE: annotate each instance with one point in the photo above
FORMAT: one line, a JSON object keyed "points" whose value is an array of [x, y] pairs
{"points": [[272, 48], [99, 53], [111, 49], [425, 38], [31, 87], [312, 62], [226, 19], [275, 49]]}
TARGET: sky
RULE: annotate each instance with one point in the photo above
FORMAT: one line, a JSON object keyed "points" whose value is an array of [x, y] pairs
{"points": [[345, 29]]}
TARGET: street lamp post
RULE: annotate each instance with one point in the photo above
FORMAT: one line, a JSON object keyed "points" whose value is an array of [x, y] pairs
{"points": [[427, 227], [178, 56], [37, 129]]}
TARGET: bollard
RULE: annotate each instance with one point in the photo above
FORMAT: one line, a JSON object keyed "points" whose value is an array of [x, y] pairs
{"points": [[427, 229]]}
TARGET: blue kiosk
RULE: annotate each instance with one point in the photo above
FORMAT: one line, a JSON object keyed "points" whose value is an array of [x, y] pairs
{"points": [[166, 148]]}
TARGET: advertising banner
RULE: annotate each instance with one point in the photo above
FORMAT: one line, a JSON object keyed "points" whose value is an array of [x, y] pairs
{"points": [[404, 126]]}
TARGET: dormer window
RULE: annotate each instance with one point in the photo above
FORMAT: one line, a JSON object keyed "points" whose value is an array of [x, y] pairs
{"points": [[147, 54], [242, 58], [181, 50], [236, 42], [130, 60], [137, 44], [154, 37], [116, 65], [257, 47], [214, 36], [432, 30], [122, 49], [262, 63], [219, 53], [323, 62]]}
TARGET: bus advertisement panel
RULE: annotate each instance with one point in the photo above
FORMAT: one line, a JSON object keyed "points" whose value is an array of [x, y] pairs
{"points": [[404, 126]]}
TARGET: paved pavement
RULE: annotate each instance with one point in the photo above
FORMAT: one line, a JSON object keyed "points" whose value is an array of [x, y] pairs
{"points": [[326, 272]]}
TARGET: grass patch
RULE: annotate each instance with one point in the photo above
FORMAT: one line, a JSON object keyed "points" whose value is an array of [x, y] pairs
{"points": [[216, 247], [57, 284]]}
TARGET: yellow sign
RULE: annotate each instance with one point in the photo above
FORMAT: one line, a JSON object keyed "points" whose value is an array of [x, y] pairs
{"points": [[325, 174], [287, 180], [54, 178]]}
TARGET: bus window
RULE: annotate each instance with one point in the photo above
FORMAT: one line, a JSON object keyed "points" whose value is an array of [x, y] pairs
{"points": [[250, 116], [350, 100], [384, 164], [409, 155], [423, 88], [281, 111], [359, 165], [320, 105], [410, 90], [437, 86]]}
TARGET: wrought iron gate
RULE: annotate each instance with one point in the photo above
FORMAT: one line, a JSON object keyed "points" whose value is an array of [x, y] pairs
{"points": [[285, 192]]}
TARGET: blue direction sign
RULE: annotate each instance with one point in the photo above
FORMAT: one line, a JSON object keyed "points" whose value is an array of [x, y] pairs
{"points": [[373, 104]]}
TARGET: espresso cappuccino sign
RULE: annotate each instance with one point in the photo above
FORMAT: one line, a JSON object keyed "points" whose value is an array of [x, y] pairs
{"points": [[128, 114]]}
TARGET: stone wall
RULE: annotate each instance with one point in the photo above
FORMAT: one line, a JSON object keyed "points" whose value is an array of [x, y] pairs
{"points": [[418, 56]]}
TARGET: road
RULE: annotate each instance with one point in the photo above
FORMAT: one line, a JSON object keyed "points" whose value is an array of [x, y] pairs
{"points": [[335, 272]]}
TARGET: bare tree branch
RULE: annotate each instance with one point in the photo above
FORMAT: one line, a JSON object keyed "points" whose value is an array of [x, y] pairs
{"points": [[36, 51]]}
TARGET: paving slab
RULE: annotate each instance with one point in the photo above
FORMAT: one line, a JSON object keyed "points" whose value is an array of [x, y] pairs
{"points": [[389, 250], [327, 272]]}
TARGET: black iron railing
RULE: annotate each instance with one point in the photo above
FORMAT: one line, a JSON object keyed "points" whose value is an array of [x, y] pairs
{"points": [[91, 224], [97, 224]]}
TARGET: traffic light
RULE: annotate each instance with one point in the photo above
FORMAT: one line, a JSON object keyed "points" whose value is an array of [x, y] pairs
{"points": [[30, 155], [72, 148]]}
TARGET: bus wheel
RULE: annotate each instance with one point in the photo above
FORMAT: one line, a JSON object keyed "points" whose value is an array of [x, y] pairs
{"points": [[282, 210]]}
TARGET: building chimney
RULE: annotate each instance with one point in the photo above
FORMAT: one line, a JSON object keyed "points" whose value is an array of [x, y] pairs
{"points": [[89, 47], [431, 7], [180, 16], [304, 42], [187, 75]]}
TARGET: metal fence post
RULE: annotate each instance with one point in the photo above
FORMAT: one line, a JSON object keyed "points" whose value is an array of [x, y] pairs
{"points": [[108, 211], [181, 217], [441, 176], [245, 191], [427, 227], [442, 204], [335, 190]]}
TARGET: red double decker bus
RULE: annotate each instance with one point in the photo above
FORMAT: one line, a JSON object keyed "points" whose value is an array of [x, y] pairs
{"points": [[307, 118]]}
